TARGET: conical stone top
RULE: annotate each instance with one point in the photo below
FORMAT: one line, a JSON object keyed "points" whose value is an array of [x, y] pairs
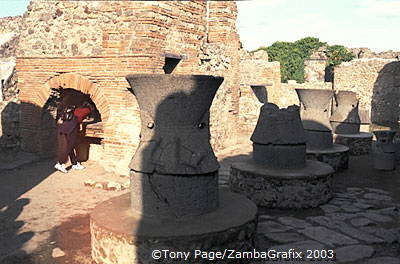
{"points": [[279, 126], [174, 111]]}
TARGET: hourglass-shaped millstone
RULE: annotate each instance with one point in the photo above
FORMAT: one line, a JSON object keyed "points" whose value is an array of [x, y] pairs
{"points": [[384, 155], [174, 172], [279, 141], [384, 140], [345, 118], [314, 112]]}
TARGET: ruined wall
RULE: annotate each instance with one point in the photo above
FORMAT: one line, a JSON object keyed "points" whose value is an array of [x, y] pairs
{"points": [[255, 69], [314, 66], [100, 42], [366, 53], [9, 104], [377, 83]]}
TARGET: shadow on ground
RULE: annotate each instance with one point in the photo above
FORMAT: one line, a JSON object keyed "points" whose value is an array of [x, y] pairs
{"points": [[16, 182], [12, 186]]}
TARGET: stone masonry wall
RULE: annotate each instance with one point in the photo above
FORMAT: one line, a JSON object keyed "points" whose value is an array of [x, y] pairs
{"points": [[377, 83], [91, 46]]}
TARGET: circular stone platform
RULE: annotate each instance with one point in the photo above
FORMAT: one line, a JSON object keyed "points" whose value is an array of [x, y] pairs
{"points": [[120, 237], [359, 144], [288, 188], [337, 156]]}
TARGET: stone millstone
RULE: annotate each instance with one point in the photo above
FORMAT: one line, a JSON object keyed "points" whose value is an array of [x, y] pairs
{"points": [[120, 236], [359, 144], [337, 156], [175, 203], [175, 135], [345, 118], [291, 188], [279, 138], [314, 108]]}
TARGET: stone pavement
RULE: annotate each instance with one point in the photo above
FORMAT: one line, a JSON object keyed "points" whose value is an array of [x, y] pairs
{"points": [[360, 225], [44, 214]]}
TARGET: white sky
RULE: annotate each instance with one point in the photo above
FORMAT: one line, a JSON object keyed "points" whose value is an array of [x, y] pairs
{"points": [[353, 23]]}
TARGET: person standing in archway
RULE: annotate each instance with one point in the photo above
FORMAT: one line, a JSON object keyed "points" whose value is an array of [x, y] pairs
{"points": [[66, 137], [81, 113]]}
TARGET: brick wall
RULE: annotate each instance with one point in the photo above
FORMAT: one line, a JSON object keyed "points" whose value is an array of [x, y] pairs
{"points": [[92, 46]]}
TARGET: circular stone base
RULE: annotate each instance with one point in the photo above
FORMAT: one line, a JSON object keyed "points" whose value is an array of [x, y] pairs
{"points": [[290, 188], [359, 144], [121, 237], [337, 156]]}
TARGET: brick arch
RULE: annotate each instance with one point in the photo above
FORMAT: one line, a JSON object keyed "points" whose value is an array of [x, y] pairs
{"points": [[79, 83]]}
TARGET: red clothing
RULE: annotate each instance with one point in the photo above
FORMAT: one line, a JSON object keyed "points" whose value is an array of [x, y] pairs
{"points": [[81, 113]]}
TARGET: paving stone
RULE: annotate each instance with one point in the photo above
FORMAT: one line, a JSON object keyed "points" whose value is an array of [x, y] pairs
{"points": [[377, 217], [265, 218], [300, 246], [358, 234], [346, 196], [353, 253], [293, 222], [376, 196], [390, 211], [330, 208], [354, 189], [342, 216], [327, 236], [388, 235], [271, 227], [324, 221], [383, 260], [286, 237], [350, 208], [363, 205], [362, 222], [378, 191]]}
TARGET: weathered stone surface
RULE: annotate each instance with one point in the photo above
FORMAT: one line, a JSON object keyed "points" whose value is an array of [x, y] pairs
{"points": [[314, 108], [345, 118], [381, 260], [271, 227], [326, 236], [337, 157], [329, 208], [379, 197], [353, 253], [388, 235], [297, 188], [377, 217], [175, 123], [362, 222], [233, 225], [359, 144], [375, 81], [293, 222], [173, 196], [279, 126], [285, 237]]}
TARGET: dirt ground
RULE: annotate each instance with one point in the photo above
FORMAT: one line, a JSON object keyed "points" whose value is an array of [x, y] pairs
{"points": [[42, 209]]}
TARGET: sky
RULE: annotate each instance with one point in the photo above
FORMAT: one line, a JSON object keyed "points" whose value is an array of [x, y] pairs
{"points": [[353, 23]]}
